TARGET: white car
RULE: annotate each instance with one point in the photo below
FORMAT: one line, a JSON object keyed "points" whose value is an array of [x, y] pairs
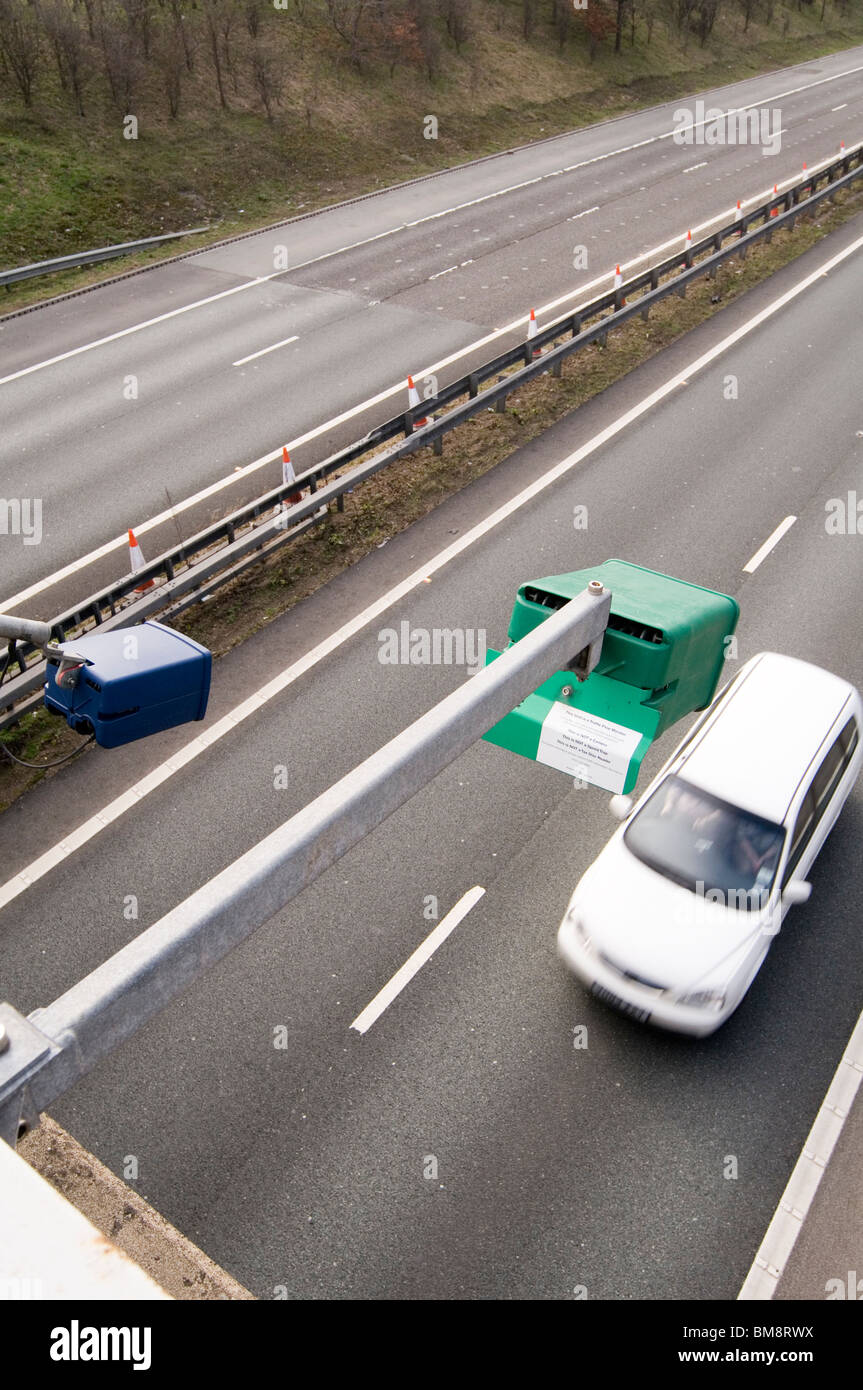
{"points": [[672, 921]]}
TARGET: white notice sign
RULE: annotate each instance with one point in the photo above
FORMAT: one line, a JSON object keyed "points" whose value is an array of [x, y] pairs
{"points": [[586, 746]]}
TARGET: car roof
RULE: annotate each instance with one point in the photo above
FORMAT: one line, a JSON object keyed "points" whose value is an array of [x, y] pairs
{"points": [[770, 725]]}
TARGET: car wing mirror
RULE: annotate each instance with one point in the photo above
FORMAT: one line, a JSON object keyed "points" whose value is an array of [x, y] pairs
{"points": [[797, 891], [620, 806]]}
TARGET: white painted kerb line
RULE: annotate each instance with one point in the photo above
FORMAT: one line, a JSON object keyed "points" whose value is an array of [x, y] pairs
{"points": [[25, 879], [768, 545], [795, 1202], [414, 963]]}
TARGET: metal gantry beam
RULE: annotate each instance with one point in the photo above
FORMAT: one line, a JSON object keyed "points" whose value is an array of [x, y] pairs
{"points": [[45, 1054]]}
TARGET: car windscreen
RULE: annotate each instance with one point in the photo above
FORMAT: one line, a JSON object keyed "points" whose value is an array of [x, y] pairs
{"points": [[706, 844]]}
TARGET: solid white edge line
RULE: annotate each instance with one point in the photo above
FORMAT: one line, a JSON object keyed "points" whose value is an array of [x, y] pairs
{"points": [[794, 1204], [23, 880], [262, 352], [414, 963], [292, 445], [772, 540]]}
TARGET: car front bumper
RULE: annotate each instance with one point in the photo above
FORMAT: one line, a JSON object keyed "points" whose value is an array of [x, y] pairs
{"points": [[637, 1001]]}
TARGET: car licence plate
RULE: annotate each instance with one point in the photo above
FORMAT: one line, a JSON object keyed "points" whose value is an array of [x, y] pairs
{"points": [[623, 1005]]}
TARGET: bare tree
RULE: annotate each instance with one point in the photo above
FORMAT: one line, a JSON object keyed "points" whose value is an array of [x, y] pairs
{"points": [[70, 50], [122, 69], [346, 17], [402, 42], [681, 11], [311, 96], [705, 18], [228, 14], [90, 11], [185, 37], [458, 18], [20, 45], [599, 22], [267, 77], [171, 62], [562, 24], [618, 24], [423, 17], [139, 17], [212, 17], [749, 8]]}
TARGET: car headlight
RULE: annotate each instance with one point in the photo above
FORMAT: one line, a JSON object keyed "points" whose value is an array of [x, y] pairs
{"points": [[574, 920], [704, 999]]}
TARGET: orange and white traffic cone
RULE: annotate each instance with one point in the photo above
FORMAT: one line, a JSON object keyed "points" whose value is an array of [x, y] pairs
{"points": [[618, 281], [689, 240], [289, 476], [739, 215], [774, 212], [531, 333], [841, 146], [413, 400], [137, 562]]}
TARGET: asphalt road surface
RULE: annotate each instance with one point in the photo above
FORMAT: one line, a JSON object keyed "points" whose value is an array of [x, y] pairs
{"points": [[122, 405], [307, 1169]]}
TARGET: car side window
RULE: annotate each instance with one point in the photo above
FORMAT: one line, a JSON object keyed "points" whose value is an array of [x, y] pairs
{"points": [[803, 828], [850, 737], [818, 797], [828, 776]]}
